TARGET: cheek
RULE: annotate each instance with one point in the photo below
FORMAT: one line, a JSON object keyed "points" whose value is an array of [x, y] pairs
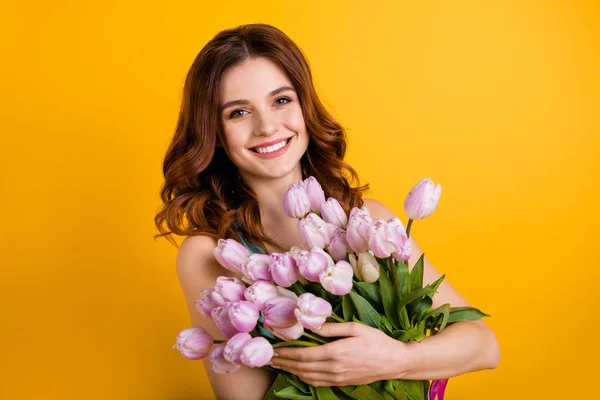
{"points": [[295, 120]]}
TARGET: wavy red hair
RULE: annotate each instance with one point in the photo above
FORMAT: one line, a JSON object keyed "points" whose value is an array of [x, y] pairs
{"points": [[201, 194]]}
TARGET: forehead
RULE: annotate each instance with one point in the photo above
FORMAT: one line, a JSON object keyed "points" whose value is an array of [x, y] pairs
{"points": [[253, 78]]}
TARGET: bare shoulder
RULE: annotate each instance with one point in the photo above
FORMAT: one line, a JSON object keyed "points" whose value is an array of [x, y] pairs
{"points": [[378, 210]]}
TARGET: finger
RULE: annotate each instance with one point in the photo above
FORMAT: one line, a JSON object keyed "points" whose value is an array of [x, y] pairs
{"points": [[340, 329], [315, 353], [302, 366], [316, 378]]}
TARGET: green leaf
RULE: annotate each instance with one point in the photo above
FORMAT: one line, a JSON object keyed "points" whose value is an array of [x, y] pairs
{"points": [[436, 284], [389, 299], [441, 314], [465, 314], [365, 392], [369, 291], [415, 294], [420, 309], [402, 279], [366, 312], [385, 326], [325, 393], [400, 393], [414, 389], [416, 274], [298, 384], [292, 393], [348, 308], [279, 383]]}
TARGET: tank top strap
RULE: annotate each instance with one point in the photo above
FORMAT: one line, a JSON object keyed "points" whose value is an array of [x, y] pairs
{"points": [[252, 248]]}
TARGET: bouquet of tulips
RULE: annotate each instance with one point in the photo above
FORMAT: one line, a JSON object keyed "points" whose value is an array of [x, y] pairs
{"points": [[352, 269]]}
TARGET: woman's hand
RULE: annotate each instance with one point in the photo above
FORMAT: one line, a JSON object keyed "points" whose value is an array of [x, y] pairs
{"points": [[365, 355]]}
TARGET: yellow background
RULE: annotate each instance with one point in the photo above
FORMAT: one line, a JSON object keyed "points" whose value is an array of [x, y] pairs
{"points": [[496, 100]]}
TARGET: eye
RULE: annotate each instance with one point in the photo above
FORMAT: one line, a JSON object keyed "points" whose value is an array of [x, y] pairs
{"points": [[287, 100], [236, 113]]}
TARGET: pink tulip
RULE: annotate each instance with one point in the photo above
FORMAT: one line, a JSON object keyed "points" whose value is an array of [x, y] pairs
{"points": [[333, 213], [338, 279], [403, 252], [437, 389], [257, 352], [231, 254], [234, 346], [283, 269], [260, 292], [243, 315], [315, 193], [219, 364], [357, 229], [312, 311], [384, 239], [296, 202], [311, 264], [194, 343], [279, 312], [257, 267], [292, 333], [227, 289], [315, 232], [204, 303], [422, 199], [221, 317], [338, 248]]}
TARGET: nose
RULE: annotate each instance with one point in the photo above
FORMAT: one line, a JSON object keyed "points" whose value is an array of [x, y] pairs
{"points": [[266, 124]]}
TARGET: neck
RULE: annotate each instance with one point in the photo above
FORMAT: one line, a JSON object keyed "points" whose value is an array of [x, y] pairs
{"points": [[270, 199]]}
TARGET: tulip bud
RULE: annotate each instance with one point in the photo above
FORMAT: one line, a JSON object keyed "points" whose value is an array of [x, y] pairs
{"points": [[338, 279], [357, 229], [315, 232], [312, 311], [404, 249], [287, 334], [437, 389], [260, 292], [227, 289], [333, 213], [221, 317], [257, 267], [219, 364], [338, 248], [354, 263], [257, 352], [283, 269], [368, 266], [204, 303], [194, 343], [231, 254], [234, 347], [296, 202], [294, 251], [311, 264], [279, 312], [243, 315], [315, 193], [383, 239], [422, 199]]}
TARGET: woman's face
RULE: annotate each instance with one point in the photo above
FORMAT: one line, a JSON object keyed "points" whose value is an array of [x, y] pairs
{"points": [[262, 119]]}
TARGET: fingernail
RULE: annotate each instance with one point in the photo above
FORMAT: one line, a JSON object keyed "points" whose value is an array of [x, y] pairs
{"points": [[275, 354], [275, 366]]}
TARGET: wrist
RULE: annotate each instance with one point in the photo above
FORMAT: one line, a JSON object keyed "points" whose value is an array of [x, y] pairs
{"points": [[403, 359]]}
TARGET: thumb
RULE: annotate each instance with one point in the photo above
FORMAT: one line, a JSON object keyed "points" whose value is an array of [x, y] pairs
{"points": [[340, 329]]}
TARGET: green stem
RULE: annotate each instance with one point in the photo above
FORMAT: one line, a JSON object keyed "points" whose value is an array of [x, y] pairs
{"points": [[298, 288], [410, 221], [315, 338], [301, 343], [335, 317]]}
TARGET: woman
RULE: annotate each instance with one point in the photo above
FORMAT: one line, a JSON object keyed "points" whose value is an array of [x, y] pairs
{"points": [[250, 125]]}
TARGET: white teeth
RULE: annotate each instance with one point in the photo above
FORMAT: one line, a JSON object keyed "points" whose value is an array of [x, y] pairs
{"points": [[272, 148]]}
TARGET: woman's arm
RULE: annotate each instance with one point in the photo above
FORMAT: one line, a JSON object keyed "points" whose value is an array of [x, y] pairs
{"points": [[197, 269]]}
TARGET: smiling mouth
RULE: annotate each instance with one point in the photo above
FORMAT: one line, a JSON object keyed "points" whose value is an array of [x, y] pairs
{"points": [[284, 144]]}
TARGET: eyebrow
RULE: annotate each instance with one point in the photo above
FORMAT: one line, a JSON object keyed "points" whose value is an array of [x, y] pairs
{"points": [[240, 102]]}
